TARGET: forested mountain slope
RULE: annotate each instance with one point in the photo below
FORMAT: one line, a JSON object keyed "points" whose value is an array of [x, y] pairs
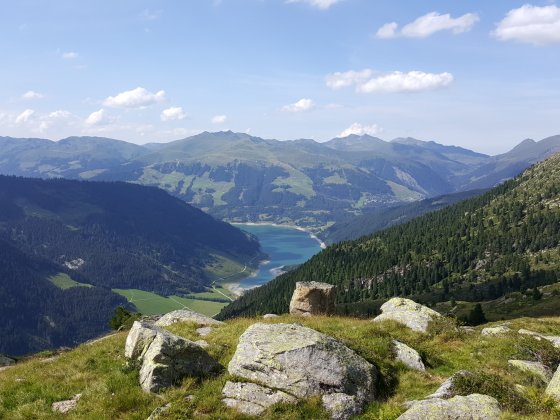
{"points": [[505, 240]]}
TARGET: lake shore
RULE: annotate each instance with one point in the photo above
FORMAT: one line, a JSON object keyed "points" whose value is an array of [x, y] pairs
{"points": [[311, 234]]}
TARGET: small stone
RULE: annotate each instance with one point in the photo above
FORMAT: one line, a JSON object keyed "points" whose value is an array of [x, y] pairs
{"points": [[201, 343], [535, 368], [64, 407], [269, 316], [252, 399], [204, 331], [408, 356], [405, 311], [185, 315], [471, 407], [445, 390], [158, 411], [313, 298], [341, 406], [497, 330]]}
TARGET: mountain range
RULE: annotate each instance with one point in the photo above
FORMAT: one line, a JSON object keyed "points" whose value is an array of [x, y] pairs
{"points": [[238, 177], [503, 242]]}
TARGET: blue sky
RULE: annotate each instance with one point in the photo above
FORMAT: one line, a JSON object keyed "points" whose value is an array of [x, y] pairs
{"points": [[480, 74]]}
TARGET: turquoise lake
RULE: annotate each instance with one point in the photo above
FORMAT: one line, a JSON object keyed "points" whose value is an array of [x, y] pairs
{"points": [[285, 246]]}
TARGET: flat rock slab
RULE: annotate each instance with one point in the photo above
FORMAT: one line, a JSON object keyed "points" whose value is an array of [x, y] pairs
{"points": [[185, 315], [408, 356], [405, 311], [64, 407], [554, 339], [313, 298], [471, 407], [534, 368], [498, 330], [252, 399]]}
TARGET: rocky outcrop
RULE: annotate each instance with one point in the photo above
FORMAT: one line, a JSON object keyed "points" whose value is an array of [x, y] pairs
{"points": [[497, 330], [184, 315], [408, 356], [313, 298], [405, 311], [554, 339], [165, 357], [6, 361], [303, 362], [534, 368], [64, 407], [252, 399], [471, 407], [553, 388]]}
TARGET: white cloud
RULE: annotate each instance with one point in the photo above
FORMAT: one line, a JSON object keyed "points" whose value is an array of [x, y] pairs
{"points": [[429, 24], [219, 119], [70, 55], [531, 24], [97, 118], [367, 81], [304, 104], [319, 4], [359, 130], [31, 94], [24, 116], [60, 115], [135, 98], [172, 114]]}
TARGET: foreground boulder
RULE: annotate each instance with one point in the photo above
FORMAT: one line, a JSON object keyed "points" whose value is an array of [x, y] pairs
{"points": [[303, 362], [554, 339], [185, 315], [165, 357], [252, 399], [534, 368], [313, 298], [553, 388], [471, 407], [408, 356], [405, 311]]}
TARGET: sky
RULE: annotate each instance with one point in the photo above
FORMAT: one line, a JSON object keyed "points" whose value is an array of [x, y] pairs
{"points": [[479, 74]]}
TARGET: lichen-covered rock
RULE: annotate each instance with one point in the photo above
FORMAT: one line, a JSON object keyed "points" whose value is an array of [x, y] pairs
{"points": [[405, 311], [553, 388], [185, 315], [170, 358], [64, 407], [535, 368], [302, 362], [6, 361], [165, 357], [471, 407], [313, 298], [554, 339], [252, 399], [445, 390], [497, 330], [341, 406], [139, 339], [408, 356]]}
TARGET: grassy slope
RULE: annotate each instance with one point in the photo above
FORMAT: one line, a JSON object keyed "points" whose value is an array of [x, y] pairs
{"points": [[110, 390], [64, 281]]}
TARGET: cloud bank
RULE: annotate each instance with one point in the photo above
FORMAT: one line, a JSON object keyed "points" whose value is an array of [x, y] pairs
{"points": [[426, 25]]}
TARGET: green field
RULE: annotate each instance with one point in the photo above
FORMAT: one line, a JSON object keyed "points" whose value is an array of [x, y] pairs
{"points": [[149, 303], [64, 281]]}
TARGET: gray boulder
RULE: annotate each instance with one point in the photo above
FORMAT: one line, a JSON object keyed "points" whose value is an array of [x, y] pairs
{"points": [[497, 330], [405, 311], [553, 388], [554, 339], [313, 298], [302, 362], [534, 368], [165, 357], [471, 407], [6, 361], [408, 356], [252, 399], [445, 390], [341, 406], [66, 406], [185, 315]]}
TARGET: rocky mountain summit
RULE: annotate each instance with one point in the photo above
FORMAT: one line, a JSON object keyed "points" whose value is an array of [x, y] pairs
{"points": [[298, 366]]}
